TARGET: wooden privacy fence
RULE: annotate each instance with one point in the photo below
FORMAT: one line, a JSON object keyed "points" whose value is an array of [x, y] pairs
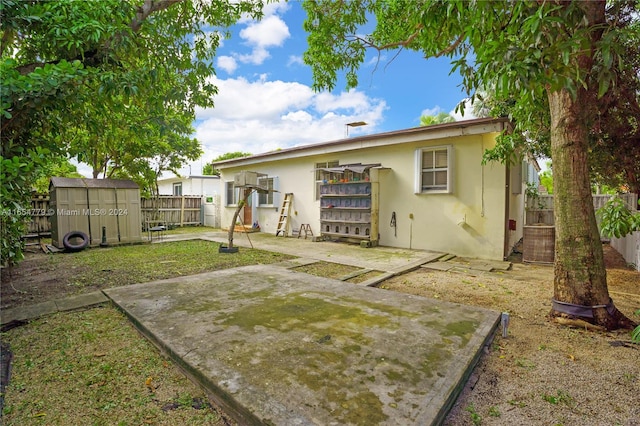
{"points": [[39, 223], [172, 210], [168, 209], [539, 210]]}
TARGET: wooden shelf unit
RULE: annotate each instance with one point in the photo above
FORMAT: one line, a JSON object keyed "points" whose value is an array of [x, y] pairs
{"points": [[349, 210]]}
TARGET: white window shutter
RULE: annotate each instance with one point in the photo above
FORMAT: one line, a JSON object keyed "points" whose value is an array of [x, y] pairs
{"points": [[276, 187], [418, 172]]}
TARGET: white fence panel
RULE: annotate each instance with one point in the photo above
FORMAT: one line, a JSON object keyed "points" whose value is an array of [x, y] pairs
{"points": [[629, 248], [540, 209]]}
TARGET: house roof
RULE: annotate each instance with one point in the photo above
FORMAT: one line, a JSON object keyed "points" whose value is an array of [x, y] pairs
{"points": [[437, 131], [180, 179]]}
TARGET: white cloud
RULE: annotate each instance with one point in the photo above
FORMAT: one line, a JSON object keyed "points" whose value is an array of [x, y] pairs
{"points": [[257, 56], [240, 98], [271, 31], [269, 9], [275, 8], [295, 60], [431, 111], [377, 60], [227, 63], [298, 116], [84, 169], [468, 111], [261, 115], [351, 100]]}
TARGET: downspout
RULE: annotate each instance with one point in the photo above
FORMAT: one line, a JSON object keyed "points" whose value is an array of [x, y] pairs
{"points": [[507, 191], [507, 198]]}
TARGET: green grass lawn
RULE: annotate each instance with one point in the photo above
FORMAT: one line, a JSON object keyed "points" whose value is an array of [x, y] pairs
{"points": [[123, 265], [93, 367]]}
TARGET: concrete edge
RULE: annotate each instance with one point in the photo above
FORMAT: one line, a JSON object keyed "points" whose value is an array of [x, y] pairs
{"points": [[221, 398], [15, 317], [375, 281], [354, 274], [459, 383]]}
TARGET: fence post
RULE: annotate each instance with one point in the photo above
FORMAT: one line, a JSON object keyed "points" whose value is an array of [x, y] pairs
{"points": [[182, 212]]}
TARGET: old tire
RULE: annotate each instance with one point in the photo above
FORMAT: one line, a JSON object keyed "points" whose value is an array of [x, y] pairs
{"points": [[75, 246]]}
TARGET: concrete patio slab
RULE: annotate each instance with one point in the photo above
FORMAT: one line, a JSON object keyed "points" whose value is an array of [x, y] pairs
{"points": [[280, 347], [377, 258]]}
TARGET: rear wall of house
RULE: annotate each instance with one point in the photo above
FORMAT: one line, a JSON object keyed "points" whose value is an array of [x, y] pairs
{"points": [[470, 221]]}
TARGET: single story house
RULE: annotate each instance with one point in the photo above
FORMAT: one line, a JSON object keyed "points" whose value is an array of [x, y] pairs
{"points": [[193, 185], [420, 188], [207, 187]]}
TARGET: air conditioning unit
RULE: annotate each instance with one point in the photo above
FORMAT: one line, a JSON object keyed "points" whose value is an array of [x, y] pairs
{"points": [[246, 179]]}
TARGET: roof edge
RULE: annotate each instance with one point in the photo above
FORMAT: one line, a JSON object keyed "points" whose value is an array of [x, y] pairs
{"points": [[358, 140]]}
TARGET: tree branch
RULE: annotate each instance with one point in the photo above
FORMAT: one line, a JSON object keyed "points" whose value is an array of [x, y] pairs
{"points": [[147, 9], [95, 56], [405, 43], [451, 48]]}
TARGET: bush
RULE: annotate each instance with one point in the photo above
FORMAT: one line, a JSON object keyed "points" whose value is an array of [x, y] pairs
{"points": [[616, 220]]}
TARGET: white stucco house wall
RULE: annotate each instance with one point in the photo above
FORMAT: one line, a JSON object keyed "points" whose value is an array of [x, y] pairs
{"points": [[190, 185], [209, 188], [431, 190]]}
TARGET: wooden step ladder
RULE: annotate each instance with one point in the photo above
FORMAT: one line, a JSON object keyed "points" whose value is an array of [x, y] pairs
{"points": [[306, 228], [285, 212]]}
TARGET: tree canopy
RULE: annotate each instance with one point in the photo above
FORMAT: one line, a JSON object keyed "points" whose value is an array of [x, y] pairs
{"points": [[441, 117], [110, 82], [561, 58], [210, 170]]}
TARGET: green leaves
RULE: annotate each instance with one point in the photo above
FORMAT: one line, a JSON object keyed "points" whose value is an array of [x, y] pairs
{"points": [[110, 82], [15, 200], [616, 220]]}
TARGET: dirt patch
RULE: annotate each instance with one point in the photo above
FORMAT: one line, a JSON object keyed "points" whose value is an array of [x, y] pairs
{"points": [[542, 373], [38, 278]]}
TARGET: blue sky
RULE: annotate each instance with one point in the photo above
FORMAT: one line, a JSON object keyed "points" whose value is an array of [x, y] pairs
{"points": [[265, 100]]}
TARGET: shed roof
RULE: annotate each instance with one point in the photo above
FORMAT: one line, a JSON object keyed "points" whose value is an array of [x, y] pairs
{"points": [[62, 182]]}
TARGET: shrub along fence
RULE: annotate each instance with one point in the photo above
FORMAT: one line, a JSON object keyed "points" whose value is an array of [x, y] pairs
{"points": [[539, 209]]}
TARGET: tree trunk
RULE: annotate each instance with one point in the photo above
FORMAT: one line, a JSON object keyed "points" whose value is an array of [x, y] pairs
{"points": [[241, 204], [579, 273]]}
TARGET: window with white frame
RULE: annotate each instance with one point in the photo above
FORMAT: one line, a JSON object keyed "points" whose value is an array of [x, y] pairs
{"points": [[232, 193], [268, 199], [434, 170], [323, 175], [177, 189]]}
